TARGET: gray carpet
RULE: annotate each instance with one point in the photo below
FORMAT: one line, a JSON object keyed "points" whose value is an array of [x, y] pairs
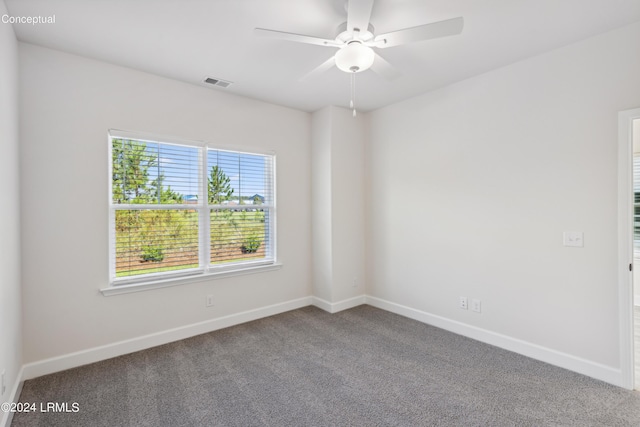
{"points": [[360, 367]]}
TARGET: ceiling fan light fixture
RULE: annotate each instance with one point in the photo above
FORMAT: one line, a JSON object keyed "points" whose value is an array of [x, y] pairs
{"points": [[354, 57]]}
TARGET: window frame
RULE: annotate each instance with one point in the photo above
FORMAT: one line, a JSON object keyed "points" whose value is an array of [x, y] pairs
{"points": [[205, 270]]}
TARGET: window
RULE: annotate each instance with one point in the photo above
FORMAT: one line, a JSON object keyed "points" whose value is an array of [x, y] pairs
{"points": [[179, 209]]}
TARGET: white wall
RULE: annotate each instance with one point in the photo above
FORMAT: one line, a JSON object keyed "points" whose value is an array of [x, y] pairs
{"points": [[347, 190], [338, 204], [321, 222], [10, 305], [67, 105], [471, 187]]}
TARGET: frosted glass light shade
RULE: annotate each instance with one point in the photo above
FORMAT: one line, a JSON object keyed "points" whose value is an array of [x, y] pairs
{"points": [[354, 58]]}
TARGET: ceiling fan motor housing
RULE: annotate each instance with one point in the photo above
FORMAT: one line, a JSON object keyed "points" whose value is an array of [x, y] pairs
{"points": [[345, 36]]}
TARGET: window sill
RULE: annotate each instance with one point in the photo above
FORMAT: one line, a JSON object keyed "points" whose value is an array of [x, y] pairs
{"points": [[157, 284]]}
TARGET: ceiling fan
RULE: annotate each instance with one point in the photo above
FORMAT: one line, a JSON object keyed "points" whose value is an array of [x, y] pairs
{"points": [[356, 40]]}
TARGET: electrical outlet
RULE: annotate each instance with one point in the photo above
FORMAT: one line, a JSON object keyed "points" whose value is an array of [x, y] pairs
{"points": [[476, 305], [4, 384], [463, 303], [209, 301], [355, 282]]}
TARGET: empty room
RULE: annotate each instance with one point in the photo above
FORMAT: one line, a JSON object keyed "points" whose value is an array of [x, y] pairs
{"points": [[319, 212]]}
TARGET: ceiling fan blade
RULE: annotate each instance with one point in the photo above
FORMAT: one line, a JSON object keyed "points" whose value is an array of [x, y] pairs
{"points": [[358, 14], [262, 32], [383, 68], [326, 65], [449, 27]]}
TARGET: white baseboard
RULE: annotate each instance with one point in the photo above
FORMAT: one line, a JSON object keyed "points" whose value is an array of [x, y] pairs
{"points": [[96, 354], [7, 417], [72, 360], [340, 305], [553, 357]]}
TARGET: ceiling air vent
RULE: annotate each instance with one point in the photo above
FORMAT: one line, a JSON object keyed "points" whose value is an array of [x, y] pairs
{"points": [[217, 82]]}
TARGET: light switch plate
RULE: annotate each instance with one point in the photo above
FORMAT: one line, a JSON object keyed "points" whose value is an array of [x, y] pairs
{"points": [[573, 238]]}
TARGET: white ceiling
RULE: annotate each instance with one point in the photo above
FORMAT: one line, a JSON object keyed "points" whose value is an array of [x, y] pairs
{"points": [[190, 39]]}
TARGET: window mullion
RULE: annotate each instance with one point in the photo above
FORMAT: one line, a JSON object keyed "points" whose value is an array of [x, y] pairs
{"points": [[205, 222]]}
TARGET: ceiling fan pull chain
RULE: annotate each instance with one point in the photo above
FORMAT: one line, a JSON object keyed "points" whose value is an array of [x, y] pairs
{"points": [[353, 92]]}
